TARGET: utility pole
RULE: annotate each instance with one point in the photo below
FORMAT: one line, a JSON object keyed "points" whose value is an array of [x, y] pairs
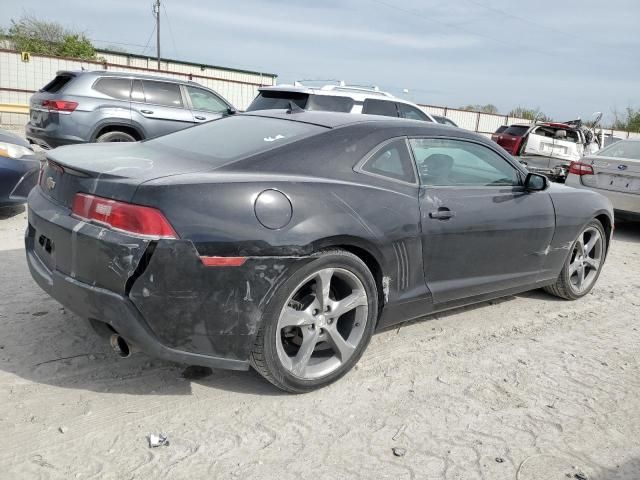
{"points": [[156, 10]]}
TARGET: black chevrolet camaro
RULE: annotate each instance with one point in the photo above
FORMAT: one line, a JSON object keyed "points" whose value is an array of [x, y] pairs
{"points": [[284, 239]]}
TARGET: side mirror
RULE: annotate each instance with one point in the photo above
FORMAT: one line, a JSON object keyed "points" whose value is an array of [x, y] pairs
{"points": [[535, 182], [231, 111]]}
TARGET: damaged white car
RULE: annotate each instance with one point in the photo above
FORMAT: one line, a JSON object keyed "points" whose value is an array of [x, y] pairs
{"points": [[549, 147]]}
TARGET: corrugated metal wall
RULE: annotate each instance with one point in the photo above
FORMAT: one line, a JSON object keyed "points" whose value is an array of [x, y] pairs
{"points": [[18, 79]]}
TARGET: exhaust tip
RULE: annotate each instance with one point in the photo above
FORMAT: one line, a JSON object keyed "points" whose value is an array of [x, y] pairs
{"points": [[120, 346]]}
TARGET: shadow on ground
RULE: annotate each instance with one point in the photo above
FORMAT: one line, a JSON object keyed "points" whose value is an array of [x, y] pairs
{"points": [[11, 211]]}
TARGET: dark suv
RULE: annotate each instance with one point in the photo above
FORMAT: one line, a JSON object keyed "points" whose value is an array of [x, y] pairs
{"points": [[99, 106]]}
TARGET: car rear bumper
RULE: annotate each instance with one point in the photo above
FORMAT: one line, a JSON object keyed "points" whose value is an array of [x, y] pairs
{"points": [[626, 203], [163, 300], [50, 138]]}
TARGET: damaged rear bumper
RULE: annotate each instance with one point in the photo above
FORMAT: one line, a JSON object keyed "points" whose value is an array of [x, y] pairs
{"points": [[158, 295]]}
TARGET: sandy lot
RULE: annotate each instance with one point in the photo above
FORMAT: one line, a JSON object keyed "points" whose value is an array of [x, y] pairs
{"points": [[525, 388]]}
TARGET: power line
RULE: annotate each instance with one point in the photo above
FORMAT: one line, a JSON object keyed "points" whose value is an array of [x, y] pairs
{"points": [[175, 50], [522, 19], [471, 32], [149, 40]]}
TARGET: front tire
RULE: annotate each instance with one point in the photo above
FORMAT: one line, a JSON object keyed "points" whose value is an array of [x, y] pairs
{"points": [[583, 264], [318, 323]]}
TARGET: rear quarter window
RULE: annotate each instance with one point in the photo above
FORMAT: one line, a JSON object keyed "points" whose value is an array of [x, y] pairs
{"points": [[231, 138], [57, 84], [114, 87]]}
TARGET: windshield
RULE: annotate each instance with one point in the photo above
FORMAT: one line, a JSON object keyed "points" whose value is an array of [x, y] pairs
{"points": [[230, 138], [622, 149]]}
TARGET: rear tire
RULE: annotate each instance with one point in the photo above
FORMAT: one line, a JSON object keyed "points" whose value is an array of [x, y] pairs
{"points": [[310, 340], [583, 264], [115, 136]]}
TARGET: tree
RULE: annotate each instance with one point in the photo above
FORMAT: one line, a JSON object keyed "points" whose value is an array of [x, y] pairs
{"points": [[529, 114], [488, 108], [629, 120], [29, 34]]}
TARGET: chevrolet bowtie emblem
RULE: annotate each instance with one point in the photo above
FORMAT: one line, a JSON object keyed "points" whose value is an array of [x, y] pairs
{"points": [[51, 183]]}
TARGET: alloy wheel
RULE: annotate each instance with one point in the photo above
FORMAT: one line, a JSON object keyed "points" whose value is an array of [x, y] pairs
{"points": [[586, 259], [322, 323]]}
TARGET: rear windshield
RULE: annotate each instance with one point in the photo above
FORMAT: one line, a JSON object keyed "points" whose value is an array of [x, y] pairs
{"points": [[231, 138], [278, 100], [57, 83], [557, 133], [516, 130], [501, 129], [622, 149], [330, 103]]}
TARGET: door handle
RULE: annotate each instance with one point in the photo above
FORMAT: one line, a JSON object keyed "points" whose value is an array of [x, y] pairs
{"points": [[148, 112], [200, 117], [442, 214]]}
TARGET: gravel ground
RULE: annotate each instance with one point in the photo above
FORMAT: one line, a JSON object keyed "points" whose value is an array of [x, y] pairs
{"points": [[527, 388]]}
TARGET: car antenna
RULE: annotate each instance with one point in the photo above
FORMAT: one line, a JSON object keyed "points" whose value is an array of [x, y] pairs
{"points": [[294, 108]]}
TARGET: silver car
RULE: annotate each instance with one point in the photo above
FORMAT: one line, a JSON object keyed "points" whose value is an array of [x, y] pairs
{"points": [[614, 172], [100, 106]]}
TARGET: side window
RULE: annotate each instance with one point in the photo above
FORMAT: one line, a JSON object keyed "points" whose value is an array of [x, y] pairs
{"points": [[330, 103], [205, 100], [412, 113], [114, 87], [391, 160], [380, 107], [443, 162], [161, 93]]}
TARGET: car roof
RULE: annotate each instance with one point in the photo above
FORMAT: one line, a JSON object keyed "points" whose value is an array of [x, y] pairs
{"points": [[115, 73], [339, 119], [358, 94]]}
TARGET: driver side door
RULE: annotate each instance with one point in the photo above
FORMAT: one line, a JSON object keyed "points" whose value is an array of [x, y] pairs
{"points": [[482, 232]]}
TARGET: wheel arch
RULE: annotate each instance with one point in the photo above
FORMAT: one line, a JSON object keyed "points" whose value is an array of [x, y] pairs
{"points": [[365, 251], [131, 128], [607, 224]]}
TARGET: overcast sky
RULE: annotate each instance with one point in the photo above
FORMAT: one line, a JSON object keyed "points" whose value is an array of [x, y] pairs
{"points": [[569, 58]]}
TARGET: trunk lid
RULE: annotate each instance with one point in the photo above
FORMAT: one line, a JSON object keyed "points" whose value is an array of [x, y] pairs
{"points": [[613, 173], [111, 170]]}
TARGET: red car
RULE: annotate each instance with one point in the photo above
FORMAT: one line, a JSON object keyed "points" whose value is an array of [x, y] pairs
{"points": [[511, 138]]}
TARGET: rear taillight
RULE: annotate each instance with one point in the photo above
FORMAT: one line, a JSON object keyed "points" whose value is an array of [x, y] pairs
{"points": [[126, 217], [59, 105], [579, 168]]}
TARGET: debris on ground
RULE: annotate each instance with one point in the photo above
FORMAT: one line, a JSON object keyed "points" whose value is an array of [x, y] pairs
{"points": [[399, 432], [580, 476], [499, 460], [399, 451], [158, 440], [63, 429]]}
